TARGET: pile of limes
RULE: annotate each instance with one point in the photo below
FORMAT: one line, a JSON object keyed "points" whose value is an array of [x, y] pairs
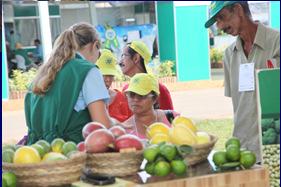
{"points": [[40, 151], [163, 159], [234, 157], [9, 179]]}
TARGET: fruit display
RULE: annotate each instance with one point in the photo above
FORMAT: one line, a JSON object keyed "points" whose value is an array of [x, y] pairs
{"points": [[41, 151], [182, 132], [163, 159], [234, 157], [271, 159]]}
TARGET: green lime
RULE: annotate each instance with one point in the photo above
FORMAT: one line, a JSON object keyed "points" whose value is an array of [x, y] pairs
{"points": [[45, 145], [178, 167], [219, 158], [57, 145], [162, 169], [12, 147], [4, 183], [10, 178], [233, 141], [169, 151], [149, 168], [232, 153], [71, 153], [151, 153], [8, 155], [160, 158], [247, 159], [39, 149], [68, 147]]}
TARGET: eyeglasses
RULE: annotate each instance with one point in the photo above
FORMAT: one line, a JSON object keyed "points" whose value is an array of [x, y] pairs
{"points": [[124, 55], [132, 95]]}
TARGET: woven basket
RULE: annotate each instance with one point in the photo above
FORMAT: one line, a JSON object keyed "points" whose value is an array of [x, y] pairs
{"points": [[56, 173], [201, 152], [115, 164]]}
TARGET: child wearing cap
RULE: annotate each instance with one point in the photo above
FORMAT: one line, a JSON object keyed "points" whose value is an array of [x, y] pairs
{"points": [[134, 59], [118, 106], [142, 93]]}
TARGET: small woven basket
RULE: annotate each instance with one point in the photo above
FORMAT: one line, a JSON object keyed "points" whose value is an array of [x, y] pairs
{"points": [[115, 164], [56, 173], [201, 152]]}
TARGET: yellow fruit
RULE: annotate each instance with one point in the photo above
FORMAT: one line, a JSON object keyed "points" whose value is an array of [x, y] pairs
{"points": [[186, 121], [57, 145], [202, 137], [26, 155], [159, 137], [181, 135], [156, 128]]}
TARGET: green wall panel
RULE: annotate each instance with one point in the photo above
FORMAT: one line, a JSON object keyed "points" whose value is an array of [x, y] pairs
{"points": [[192, 43], [275, 14], [166, 31], [5, 90]]}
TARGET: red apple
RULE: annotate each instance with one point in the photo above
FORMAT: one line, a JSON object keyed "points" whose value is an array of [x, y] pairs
{"points": [[117, 131], [99, 141], [90, 127], [81, 147]]}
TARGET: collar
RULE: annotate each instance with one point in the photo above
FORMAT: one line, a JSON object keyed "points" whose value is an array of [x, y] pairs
{"points": [[259, 39], [79, 56]]}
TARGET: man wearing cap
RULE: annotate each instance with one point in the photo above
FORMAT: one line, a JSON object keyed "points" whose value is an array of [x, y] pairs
{"points": [[254, 46], [118, 106], [134, 59]]}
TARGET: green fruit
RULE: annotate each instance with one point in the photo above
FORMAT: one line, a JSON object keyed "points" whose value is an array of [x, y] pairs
{"points": [[162, 169], [53, 156], [219, 158], [230, 165], [233, 141], [8, 155], [10, 179], [12, 147], [39, 149], [68, 147], [160, 158], [248, 159], [45, 145], [71, 153], [169, 151], [178, 167], [4, 183], [149, 168], [232, 153], [151, 153], [57, 145]]}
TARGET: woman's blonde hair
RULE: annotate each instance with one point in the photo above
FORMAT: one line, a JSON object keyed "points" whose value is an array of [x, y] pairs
{"points": [[65, 46]]}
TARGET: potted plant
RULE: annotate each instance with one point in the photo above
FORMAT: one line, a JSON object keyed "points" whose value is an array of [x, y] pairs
{"points": [[216, 58]]}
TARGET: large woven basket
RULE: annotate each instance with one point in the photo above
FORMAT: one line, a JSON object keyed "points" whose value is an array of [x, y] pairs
{"points": [[201, 152], [115, 164], [56, 173]]}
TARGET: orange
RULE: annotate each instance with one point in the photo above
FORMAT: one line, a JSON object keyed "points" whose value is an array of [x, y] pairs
{"points": [[26, 155]]}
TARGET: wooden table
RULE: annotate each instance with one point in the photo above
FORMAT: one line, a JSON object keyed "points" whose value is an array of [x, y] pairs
{"points": [[201, 175]]}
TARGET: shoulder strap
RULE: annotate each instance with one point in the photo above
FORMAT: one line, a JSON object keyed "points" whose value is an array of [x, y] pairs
{"points": [[169, 115]]}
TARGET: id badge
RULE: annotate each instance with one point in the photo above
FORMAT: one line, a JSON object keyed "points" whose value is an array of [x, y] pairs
{"points": [[246, 77]]}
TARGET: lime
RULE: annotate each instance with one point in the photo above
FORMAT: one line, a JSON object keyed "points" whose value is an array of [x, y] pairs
{"points": [[160, 158], [12, 147], [45, 145], [68, 147], [149, 168], [248, 159], [71, 153], [178, 167], [162, 169], [151, 153], [232, 153], [4, 182], [8, 155], [10, 179], [57, 145], [233, 141], [40, 149], [169, 151], [219, 158]]}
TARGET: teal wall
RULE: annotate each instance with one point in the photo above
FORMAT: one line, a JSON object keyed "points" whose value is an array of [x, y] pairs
{"points": [[192, 43], [275, 14], [166, 31], [5, 90]]}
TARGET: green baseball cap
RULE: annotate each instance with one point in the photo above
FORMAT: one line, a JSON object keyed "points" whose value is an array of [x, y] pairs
{"points": [[215, 8]]}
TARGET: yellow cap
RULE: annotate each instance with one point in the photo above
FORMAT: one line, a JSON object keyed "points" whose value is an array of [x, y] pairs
{"points": [[142, 50], [107, 63], [143, 84]]}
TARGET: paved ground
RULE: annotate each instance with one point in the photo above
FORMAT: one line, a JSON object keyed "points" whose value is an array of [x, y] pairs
{"points": [[197, 104]]}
